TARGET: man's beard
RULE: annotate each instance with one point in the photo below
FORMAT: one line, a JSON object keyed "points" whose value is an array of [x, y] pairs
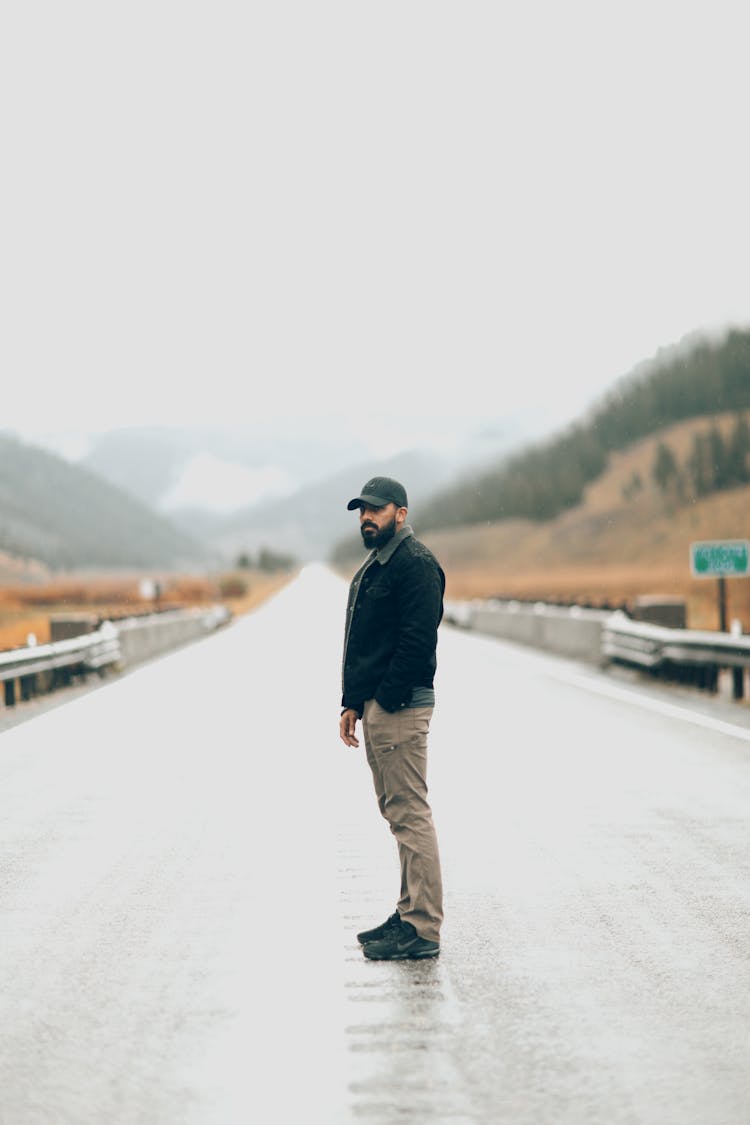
{"points": [[374, 539]]}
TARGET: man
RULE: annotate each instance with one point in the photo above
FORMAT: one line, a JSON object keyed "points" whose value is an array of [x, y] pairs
{"points": [[394, 609]]}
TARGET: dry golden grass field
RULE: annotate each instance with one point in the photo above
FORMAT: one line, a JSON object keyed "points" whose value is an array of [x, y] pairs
{"points": [[27, 608], [609, 549]]}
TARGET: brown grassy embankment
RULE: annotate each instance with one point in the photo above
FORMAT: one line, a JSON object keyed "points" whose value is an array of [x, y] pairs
{"points": [[609, 549]]}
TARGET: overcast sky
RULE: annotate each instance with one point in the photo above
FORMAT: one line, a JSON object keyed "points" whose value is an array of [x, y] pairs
{"points": [[221, 211]]}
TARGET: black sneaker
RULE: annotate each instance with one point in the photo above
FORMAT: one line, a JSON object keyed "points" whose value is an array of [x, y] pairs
{"points": [[401, 944], [379, 932]]}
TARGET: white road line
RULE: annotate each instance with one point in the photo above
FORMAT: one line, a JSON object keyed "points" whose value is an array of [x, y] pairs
{"points": [[671, 710]]}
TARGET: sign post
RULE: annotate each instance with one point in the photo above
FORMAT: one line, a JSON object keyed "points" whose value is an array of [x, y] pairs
{"points": [[722, 559], [722, 603]]}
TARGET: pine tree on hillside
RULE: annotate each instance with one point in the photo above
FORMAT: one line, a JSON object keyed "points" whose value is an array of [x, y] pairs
{"points": [[665, 471], [718, 457], [700, 466], [738, 453]]}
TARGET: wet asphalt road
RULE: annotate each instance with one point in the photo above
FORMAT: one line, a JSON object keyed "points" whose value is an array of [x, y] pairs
{"points": [[187, 852]]}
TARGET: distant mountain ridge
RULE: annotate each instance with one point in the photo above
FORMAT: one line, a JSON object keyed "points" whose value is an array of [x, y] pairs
{"points": [[157, 464], [66, 517], [117, 506], [308, 523], [125, 481], [322, 465]]}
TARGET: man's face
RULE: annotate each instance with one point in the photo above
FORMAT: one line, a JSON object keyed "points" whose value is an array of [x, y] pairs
{"points": [[378, 525]]}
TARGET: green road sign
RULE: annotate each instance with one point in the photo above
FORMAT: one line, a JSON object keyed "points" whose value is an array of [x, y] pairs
{"points": [[717, 559]]}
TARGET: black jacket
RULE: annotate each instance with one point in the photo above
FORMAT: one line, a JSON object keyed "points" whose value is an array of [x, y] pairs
{"points": [[394, 609]]}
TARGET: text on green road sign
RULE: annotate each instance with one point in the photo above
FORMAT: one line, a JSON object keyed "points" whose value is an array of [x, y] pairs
{"points": [[717, 559]]}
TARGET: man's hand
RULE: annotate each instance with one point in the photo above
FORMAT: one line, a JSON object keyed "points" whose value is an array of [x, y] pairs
{"points": [[346, 727]]}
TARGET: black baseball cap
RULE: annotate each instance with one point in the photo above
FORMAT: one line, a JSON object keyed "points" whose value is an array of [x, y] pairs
{"points": [[378, 492]]}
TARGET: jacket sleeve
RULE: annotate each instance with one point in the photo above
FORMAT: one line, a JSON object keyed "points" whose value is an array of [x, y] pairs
{"points": [[419, 593], [348, 705]]}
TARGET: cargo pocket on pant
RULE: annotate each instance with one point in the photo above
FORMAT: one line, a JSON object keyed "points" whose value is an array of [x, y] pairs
{"points": [[386, 729]]}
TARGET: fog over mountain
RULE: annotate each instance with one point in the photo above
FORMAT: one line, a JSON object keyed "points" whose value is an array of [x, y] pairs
{"points": [[309, 523], [223, 469], [213, 468], [241, 487]]}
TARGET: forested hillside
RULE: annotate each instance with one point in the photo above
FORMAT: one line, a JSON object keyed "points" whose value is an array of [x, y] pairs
{"points": [[630, 536], [66, 517], [707, 378]]}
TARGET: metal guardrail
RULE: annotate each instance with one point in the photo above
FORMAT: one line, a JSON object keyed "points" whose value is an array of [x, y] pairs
{"points": [[127, 642], [689, 655], [652, 646], [91, 652]]}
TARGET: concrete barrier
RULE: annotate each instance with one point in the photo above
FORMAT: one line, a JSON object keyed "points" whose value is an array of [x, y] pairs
{"points": [[144, 637], [567, 631]]}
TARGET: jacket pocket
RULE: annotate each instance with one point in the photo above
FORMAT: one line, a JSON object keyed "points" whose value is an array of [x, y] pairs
{"points": [[375, 593]]}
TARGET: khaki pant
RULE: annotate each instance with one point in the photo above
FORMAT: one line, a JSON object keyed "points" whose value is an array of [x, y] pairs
{"points": [[396, 747]]}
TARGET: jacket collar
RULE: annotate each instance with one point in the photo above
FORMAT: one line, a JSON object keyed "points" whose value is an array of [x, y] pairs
{"points": [[387, 552]]}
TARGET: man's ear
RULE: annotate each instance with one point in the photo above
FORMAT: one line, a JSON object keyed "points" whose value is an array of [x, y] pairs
{"points": [[401, 515]]}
